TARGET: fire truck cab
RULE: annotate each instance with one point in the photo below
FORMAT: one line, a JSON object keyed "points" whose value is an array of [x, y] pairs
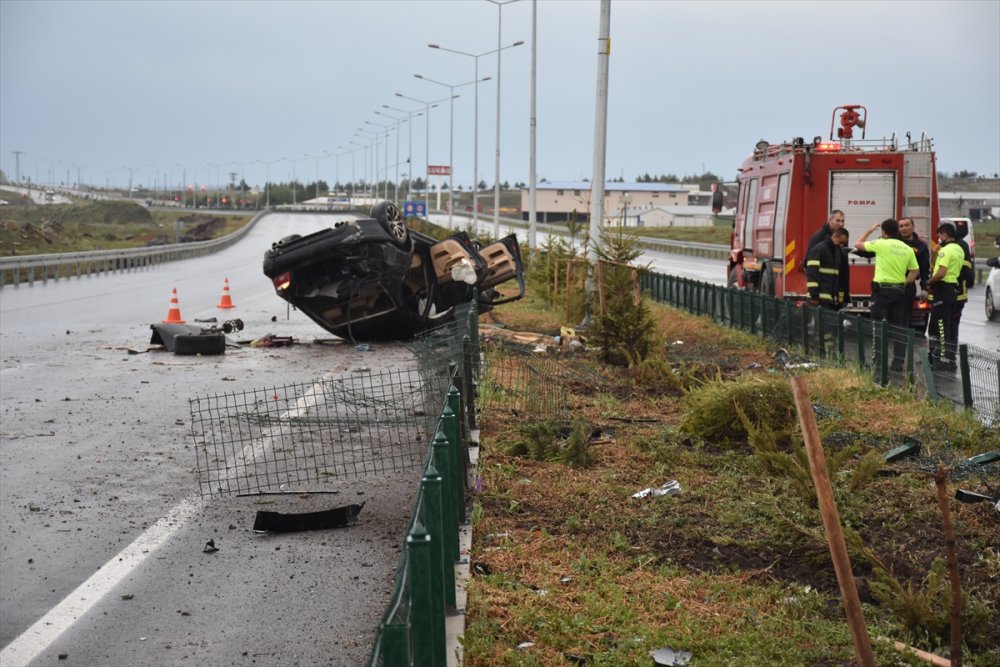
{"points": [[788, 190]]}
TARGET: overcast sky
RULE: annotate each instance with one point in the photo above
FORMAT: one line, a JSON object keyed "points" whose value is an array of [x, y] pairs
{"points": [[104, 86]]}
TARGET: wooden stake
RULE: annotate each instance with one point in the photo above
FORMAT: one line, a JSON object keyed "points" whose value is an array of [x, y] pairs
{"points": [[949, 549], [933, 659], [600, 286], [831, 523]]}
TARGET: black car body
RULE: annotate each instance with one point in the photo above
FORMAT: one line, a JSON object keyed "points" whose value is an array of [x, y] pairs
{"points": [[374, 279]]}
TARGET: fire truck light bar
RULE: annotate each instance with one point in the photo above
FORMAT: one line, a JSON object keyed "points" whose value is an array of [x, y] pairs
{"points": [[828, 146]]}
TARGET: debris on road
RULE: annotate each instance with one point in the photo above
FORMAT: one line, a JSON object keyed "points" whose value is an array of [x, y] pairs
{"points": [[671, 488], [210, 547], [276, 522]]}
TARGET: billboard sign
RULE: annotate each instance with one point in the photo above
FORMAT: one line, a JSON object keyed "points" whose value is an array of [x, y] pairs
{"points": [[438, 170]]}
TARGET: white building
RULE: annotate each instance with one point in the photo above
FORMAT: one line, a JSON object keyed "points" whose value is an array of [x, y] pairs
{"points": [[557, 201]]}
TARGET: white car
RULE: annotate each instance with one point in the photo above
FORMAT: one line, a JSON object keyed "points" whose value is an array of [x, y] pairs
{"points": [[993, 290]]}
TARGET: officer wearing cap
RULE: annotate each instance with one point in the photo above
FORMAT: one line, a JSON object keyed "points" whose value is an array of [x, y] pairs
{"points": [[895, 268], [944, 292]]}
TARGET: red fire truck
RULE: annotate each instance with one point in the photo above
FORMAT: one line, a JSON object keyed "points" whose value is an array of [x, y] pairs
{"points": [[787, 191]]}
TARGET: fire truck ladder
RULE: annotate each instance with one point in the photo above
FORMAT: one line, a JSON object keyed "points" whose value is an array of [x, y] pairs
{"points": [[917, 178]]}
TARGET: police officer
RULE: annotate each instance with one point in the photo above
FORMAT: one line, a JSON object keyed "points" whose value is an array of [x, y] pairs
{"points": [[944, 292], [966, 279], [895, 268], [827, 283]]}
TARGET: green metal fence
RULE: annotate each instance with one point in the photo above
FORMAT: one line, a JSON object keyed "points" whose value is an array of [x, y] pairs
{"points": [[892, 355], [412, 631]]}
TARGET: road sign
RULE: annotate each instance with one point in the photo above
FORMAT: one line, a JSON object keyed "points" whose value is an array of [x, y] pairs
{"points": [[438, 170], [414, 209]]}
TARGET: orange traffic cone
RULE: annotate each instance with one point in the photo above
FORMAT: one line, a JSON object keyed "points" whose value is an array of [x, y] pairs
{"points": [[227, 301], [174, 313]]}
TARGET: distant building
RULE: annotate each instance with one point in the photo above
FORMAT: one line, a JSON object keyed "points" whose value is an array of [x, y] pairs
{"points": [[974, 205], [556, 201]]}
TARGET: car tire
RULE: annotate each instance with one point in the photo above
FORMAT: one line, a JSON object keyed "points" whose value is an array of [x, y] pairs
{"points": [[391, 219], [204, 344], [992, 314]]}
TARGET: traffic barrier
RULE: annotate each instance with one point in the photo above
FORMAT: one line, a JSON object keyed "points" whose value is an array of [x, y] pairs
{"points": [[174, 311], [227, 300]]}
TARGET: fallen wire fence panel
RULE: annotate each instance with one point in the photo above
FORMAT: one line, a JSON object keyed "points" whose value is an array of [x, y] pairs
{"points": [[306, 437], [519, 382]]}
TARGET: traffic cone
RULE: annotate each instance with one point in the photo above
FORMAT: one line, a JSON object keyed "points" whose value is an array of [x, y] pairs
{"points": [[174, 313], [227, 301]]}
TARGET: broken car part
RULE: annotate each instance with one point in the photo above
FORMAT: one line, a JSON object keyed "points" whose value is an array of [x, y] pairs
{"points": [[276, 522]]}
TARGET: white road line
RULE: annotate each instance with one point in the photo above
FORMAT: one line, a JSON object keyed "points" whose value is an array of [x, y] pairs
{"points": [[33, 641]]}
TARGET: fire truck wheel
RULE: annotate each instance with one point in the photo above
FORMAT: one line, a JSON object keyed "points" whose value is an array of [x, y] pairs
{"points": [[767, 279], [732, 279]]}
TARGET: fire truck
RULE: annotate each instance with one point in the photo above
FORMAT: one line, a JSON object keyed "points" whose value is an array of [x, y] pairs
{"points": [[787, 191]]}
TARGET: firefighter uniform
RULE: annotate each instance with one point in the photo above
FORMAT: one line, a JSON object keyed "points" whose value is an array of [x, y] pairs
{"points": [[943, 334], [824, 279], [893, 261]]}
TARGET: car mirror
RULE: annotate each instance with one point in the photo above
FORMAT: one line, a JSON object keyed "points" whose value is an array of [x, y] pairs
{"points": [[994, 262]]}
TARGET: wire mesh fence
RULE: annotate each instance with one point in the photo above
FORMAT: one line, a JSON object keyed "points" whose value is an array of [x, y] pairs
{"points": [[518, 382], [891, 354], [303, 437]]}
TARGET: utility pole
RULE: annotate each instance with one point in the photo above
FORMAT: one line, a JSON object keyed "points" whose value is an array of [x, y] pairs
{"points": [[600, 146], [17, 165]]}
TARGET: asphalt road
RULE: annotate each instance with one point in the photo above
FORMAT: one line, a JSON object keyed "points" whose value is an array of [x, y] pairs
{"points": [[95, 454]]}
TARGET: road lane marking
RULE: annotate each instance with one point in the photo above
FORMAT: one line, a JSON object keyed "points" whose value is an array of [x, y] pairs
{"points": [[33, 641]]}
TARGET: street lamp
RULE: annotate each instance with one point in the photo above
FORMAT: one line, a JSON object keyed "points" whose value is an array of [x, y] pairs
{"points": [[183, 184], [409, 153], [398, 121], [374, 163], [451, 138], [364, 165], [475, 141], [385, 164], [427, 147], [294, 178], [317, 158]]}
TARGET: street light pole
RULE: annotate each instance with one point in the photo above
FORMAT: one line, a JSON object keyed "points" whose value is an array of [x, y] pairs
{"points": [[398, 121], [409, 154], [496, 185], [451, 138], [385, 187], [427, 147], [475, 140], [374, 167]]}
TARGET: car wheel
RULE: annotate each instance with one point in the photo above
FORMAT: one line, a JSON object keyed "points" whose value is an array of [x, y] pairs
{"points": [[992, 314], [391, 219]]}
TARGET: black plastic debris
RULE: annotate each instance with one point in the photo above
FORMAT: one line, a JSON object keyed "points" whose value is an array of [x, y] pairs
{"points": [[984, 458], [668, 657], [910, 447], [276, 522], [210, 547]]}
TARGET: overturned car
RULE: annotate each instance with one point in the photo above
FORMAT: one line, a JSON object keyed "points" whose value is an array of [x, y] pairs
{"points": [[375, 279]]}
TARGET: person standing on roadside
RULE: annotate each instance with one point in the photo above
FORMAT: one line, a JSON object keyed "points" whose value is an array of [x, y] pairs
{"points": [[828, 284], [835, 221], [895, 268], [944, 292], [908, 235], [966, 279]]}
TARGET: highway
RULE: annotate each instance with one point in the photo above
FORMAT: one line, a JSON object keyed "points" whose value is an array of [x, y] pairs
{"points": [[101, 525]]}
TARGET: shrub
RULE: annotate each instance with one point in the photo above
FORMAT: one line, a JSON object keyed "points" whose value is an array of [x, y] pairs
{"points": [[712, 411]]}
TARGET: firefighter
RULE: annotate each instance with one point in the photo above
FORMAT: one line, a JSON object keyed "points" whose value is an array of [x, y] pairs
{"points": [[827, 283], [908, 235], [835, 221], [944, 292], [895, 268]]}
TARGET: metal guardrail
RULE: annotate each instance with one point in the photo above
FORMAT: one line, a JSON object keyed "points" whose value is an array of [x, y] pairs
{"points": [[890, 354], [29, 268]]}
